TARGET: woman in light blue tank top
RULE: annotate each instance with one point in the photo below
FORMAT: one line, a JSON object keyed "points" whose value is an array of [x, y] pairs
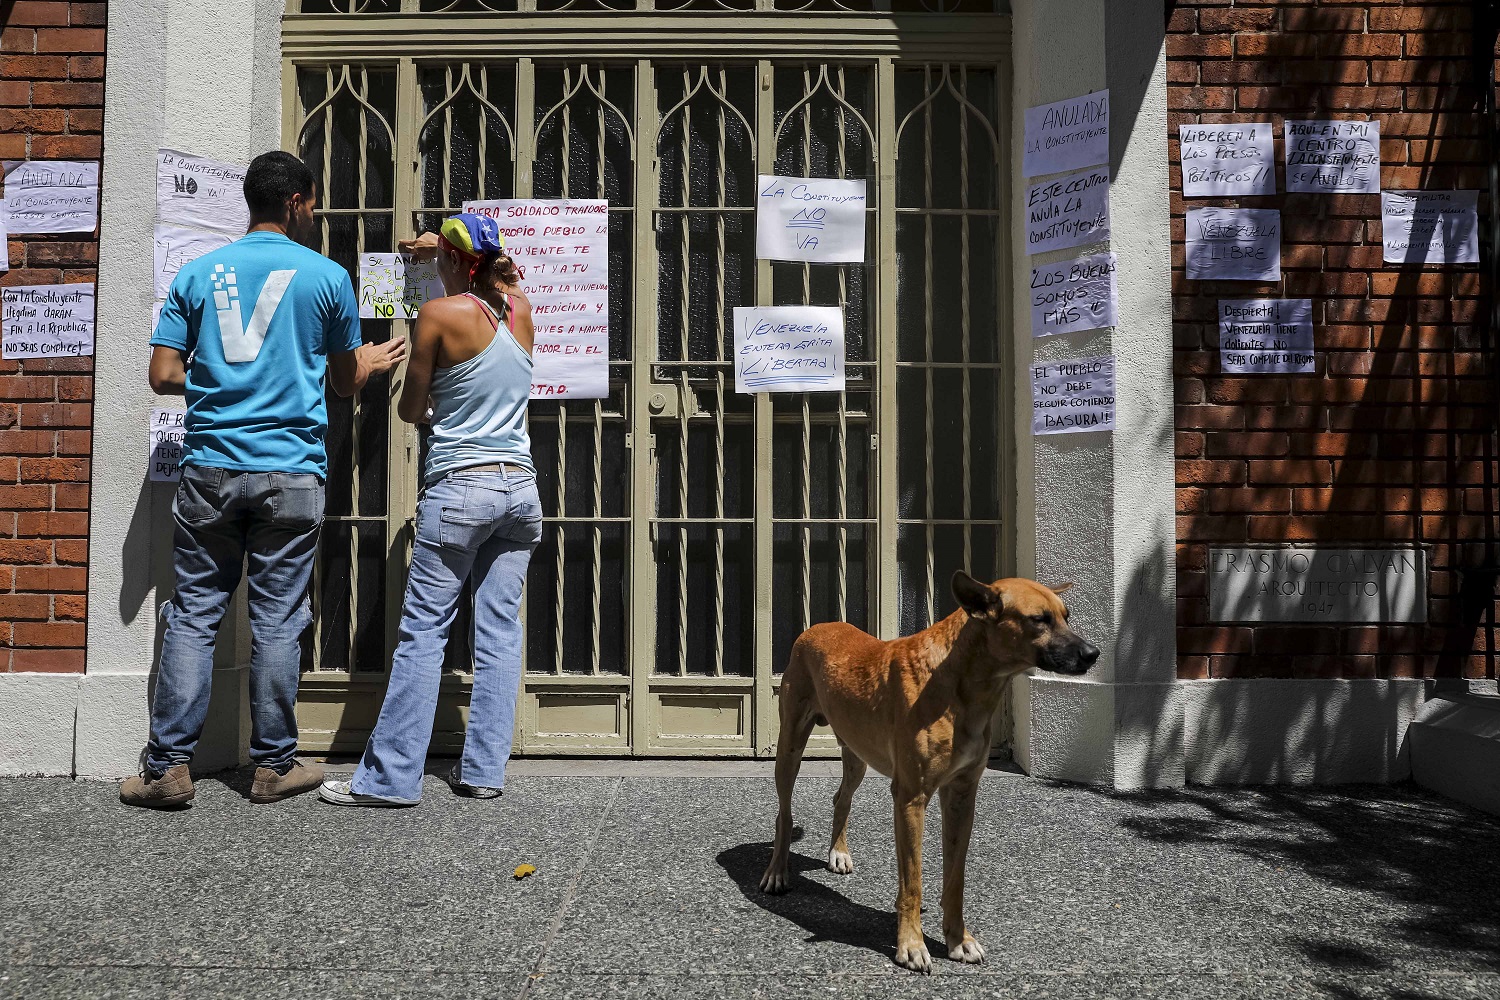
{"points": [[479, 517]]}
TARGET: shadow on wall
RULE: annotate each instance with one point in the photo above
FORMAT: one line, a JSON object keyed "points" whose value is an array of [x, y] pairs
{"points": [[1427, 857], [146, 556]]}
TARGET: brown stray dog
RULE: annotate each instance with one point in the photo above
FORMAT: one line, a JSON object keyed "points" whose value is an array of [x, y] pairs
{"points": [[919, 710]]}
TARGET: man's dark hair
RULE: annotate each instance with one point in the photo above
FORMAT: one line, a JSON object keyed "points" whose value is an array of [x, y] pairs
{"points": [[272, 179]]}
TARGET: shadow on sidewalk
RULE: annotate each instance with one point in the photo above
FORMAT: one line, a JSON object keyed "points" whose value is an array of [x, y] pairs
{"points": [[825, 914]]}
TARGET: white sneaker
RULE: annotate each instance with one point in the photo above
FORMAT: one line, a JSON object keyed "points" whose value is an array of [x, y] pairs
{"points": [[341, 794]]}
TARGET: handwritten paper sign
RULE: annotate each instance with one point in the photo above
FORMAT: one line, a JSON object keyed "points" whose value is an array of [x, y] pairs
{"points": [[165, 444], [1430, 227], [1266, 335], [1333, 157], [1073, 396], [393, 286], [51, 196], [562, 248], [788, 349], [1229, 159], [200, 192], [810, 219], [1068, 212], [1066, 135], [1073, 295], [177, 247], [4, 244], [47, 321], [1234, 244]]}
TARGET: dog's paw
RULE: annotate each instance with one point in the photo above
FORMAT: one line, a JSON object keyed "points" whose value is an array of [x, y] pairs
{"points": [[840, 862], [775, 881], [914, 957], [968, 951]]}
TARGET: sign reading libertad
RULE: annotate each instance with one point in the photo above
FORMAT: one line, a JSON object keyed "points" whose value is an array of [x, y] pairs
{"points": [[1289, 583]]}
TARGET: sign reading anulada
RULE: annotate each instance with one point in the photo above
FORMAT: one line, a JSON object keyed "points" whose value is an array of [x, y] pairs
{"points": [[1287, 583]]}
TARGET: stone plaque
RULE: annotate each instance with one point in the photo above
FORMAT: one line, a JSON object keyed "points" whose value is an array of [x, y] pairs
{"points": [[1288, 583]]}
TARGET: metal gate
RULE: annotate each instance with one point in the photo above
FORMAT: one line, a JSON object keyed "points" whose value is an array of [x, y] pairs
{"points": [[691, 532]]}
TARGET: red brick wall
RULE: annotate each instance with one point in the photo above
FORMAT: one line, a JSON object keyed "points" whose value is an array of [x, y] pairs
{"points": [[51, 107], [1392, 440]]}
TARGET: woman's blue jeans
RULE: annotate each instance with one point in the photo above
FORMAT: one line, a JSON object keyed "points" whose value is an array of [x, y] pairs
{"points": [[483, 524]]}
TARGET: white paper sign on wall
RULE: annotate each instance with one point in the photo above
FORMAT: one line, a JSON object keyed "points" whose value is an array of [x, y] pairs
{"points": [[1333, 157], [810, 219], [393, 286], [1073, 396], [789, 349], [1068, 211], [51, 196], [1235, 158], [1066, 135], [177, 247], [47, 321], [1430, 227], [164, 445], [1073, 295], [199, 192], [561, 246], [1234, 244], [1266, 335]]}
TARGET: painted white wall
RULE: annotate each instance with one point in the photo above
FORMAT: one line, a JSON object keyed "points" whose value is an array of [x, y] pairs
{"points": [[1097, 509]]}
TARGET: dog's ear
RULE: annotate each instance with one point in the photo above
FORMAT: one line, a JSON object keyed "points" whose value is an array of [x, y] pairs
{"points": [[974, 597], [1062, 588]]}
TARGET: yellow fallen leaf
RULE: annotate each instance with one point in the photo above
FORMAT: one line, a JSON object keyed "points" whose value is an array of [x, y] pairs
{"points": [[523, 870]]}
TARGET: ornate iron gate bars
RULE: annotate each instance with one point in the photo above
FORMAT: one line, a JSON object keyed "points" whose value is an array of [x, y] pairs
{"points": [[691, 531]]}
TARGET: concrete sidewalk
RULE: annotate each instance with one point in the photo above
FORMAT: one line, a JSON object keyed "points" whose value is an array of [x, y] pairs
{"points": [[646, 887]]}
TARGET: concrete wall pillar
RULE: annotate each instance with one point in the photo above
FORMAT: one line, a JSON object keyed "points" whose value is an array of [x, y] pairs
{"points": [[1097, 509]]}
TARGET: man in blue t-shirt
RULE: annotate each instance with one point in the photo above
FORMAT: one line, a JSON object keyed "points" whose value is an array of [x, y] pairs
{"points": [[246, 335]]}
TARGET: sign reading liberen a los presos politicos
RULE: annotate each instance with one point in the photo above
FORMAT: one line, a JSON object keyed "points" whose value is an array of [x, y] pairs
{"points": [[561, 246], [1291, 583], [1233, 158], [47, 321], [1266, 335], [1073, 396]]}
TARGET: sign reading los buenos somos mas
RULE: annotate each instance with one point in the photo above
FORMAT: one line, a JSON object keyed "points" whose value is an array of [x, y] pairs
{"points": [[393, 286], [789, 349], [1073, 396], [1234, 244], [47, 321], [1430, 227], [1073, 295], [1068, 211], [810, 219], [1229, 159], [1287, 583], [562, 248], [1333, 157], [199, 192], [50, 196], [1066, 135], [164, 445], [1266, 335]]}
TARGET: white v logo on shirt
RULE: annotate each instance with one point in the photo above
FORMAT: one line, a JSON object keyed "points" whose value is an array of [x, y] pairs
{"points": [[242, 342]]}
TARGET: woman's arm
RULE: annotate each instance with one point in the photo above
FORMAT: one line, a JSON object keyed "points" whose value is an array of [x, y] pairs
{"points": [[425, 339]]}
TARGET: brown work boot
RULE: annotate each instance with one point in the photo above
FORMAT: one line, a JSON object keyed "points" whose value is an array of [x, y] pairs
{"points": [[272, 787], [164, 791]]}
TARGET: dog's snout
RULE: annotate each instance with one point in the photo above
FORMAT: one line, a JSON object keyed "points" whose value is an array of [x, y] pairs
{"points": [[1087, 653]]}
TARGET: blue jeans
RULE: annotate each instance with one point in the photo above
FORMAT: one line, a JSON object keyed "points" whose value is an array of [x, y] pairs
{"points": [[223, 517], [480, 523]]}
